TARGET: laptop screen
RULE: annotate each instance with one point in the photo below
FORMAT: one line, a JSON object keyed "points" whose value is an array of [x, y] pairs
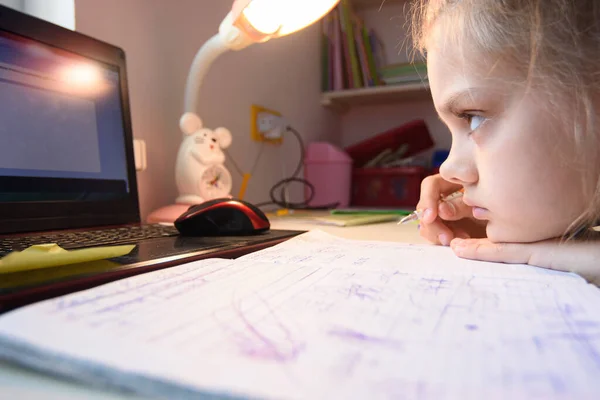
{"points": [[62, 125], [66, 144]]}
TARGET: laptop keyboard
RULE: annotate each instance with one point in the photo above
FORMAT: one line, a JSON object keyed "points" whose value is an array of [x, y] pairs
{"points": [[101, 237]]}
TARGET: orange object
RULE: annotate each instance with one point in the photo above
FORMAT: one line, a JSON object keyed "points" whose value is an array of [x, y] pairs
{"points": [[244, 186]]}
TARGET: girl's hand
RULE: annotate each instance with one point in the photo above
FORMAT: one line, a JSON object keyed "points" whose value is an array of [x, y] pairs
{"points": [[579, 257], [444, 221]]}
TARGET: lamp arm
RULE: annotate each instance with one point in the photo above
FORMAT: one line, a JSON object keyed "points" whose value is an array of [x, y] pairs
{"points": [[229, 37], [204, 58]]}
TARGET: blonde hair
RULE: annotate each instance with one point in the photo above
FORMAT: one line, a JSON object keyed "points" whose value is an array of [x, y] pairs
{"points": [[555, 45]]}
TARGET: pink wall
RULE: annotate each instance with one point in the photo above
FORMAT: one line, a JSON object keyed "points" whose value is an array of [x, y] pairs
{"points": [[161, 38]]}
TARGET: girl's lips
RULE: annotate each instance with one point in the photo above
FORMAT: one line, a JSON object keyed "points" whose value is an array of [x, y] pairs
{"points": [[480, 213]]}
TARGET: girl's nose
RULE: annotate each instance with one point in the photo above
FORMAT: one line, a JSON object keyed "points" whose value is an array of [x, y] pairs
{"points": [[460, 166]]}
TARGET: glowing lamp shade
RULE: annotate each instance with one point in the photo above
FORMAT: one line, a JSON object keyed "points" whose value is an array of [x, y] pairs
{"points": [[281, 17]]}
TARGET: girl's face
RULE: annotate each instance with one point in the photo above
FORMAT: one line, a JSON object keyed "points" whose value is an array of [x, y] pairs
{"points": [[511, 153]]}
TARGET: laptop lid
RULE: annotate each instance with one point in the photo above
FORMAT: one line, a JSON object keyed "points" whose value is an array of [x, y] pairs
{"points": [[66, 146]]}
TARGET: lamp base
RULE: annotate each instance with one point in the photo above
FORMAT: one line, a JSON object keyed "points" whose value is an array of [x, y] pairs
{"points": [[167, 214]]}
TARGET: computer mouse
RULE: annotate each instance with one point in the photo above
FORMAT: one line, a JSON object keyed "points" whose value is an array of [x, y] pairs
{"points": [[222, 217]]}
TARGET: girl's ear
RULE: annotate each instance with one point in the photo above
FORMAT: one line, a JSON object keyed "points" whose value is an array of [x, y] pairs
{"points": [[190, 123], [224, 137]]}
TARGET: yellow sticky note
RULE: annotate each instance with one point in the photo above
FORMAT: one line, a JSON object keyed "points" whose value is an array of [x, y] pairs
{"points": [[52, 255]]}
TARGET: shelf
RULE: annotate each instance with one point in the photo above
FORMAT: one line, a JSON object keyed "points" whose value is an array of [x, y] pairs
{"points": [[344, 99]]}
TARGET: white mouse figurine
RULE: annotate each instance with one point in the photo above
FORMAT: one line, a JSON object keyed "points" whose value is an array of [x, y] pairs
{"points": [[199, 171]]}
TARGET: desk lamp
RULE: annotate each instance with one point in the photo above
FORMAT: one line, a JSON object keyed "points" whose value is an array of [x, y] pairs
{"points": [[199, 172]]}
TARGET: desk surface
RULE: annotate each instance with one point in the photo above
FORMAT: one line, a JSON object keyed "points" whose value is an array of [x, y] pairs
{"points": [[17, 383]]}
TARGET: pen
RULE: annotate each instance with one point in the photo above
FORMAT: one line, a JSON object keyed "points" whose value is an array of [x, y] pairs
{"points": [[417, 214]]}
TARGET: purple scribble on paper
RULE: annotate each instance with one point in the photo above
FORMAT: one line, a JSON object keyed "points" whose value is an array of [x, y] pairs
{"points": [[541, 385], [360, 261], [436, 284], [269, 350], [345, 333], [363, 293], [471, 327], [353, 335], [585, 343], [352, 364], [586, 324], [278, 345], [386, 278], [440, 281], [121, 305], [568, 309], [539, 343]]}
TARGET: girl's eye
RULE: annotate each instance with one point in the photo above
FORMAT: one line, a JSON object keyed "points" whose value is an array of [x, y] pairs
{"points": [[474, 121]]}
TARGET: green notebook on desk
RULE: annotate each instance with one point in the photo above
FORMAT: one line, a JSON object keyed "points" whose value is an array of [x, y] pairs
{"points": [[354, 219], [343, 218], [372, 211]]}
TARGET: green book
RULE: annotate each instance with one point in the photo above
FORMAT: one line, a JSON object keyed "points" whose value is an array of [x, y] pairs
{"points": [[354, 219], [356, 71], [364, 211]]}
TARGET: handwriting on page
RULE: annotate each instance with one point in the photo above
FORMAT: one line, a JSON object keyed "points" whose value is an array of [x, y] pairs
{"points": [[320, 317]]}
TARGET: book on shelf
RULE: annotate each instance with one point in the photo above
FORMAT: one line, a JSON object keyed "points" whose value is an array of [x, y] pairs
{"points": [[353, 55], [399, 80], [403, 73]]}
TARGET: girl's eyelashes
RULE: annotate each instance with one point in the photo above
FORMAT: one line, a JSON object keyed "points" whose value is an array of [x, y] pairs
{"points": [[474, 120]]}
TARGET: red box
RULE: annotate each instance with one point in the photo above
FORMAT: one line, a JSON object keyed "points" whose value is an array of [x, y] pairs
{"points": [[414, 134], [398, 187]]}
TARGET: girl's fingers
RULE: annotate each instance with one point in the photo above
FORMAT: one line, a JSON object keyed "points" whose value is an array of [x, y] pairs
{"points": [[454, 209], [432, 189], [437, 232], [442, 232], [441, 222]]}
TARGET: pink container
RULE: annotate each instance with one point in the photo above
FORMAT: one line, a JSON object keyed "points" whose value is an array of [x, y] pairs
{"points": [[329, 169]]}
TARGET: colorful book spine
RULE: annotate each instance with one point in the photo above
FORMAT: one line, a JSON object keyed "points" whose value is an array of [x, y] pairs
{"points": [[338, 58], [378, 51], [351, 52], [367, 74], [370, 57], [324, 55], [354, 62], [347, 67], [331, 52]]}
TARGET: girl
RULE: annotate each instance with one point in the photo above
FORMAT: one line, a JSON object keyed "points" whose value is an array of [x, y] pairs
{"points": [[517, 82]]}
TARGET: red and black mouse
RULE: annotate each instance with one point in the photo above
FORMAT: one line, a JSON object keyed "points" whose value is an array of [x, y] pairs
{"points": [[222, 217]]}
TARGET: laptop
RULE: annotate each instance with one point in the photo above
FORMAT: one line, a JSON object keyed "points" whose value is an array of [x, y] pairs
{"points": [[67, 170]]}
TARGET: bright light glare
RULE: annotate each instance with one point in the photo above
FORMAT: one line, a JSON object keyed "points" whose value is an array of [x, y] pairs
{"points": [[289, 16], [84, 75], [262, 14]]}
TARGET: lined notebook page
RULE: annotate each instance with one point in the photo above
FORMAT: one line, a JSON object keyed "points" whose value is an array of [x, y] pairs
{"points": [[323, 317]]}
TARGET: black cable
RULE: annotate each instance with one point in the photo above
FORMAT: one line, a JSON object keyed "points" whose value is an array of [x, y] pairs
{"points": [[282, 184]]}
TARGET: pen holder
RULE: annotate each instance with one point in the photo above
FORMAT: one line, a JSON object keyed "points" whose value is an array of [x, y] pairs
{"points": [[329, 170]]}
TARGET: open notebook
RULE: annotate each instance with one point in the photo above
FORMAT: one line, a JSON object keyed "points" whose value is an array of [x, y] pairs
{"points": [[323, 317]]}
